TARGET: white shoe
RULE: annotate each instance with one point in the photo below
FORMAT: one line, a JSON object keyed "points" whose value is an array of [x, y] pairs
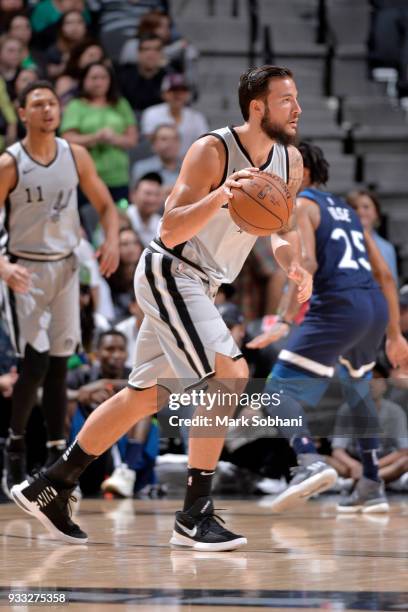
{"points": [[271, 486], [121, 481]]}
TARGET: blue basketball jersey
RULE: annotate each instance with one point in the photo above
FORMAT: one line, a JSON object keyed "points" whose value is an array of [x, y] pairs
{"points": [[340, 246]]}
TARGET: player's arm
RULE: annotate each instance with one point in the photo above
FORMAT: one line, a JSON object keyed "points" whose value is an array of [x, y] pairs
{"points": [[98, 195], [17, 277], [307, 219], [396, 345], [286, 244], [197, 195]]}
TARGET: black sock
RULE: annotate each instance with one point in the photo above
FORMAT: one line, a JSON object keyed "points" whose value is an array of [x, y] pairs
{"points": [[15, 443], [199, 484], [32, 373], [66, 471], [54, 401]]}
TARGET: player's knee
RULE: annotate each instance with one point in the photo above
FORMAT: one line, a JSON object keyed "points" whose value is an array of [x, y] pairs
{"points": [[35, 364]]}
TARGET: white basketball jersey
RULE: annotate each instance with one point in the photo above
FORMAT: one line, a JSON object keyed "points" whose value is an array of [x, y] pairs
{"points": [[221, 247], [42, 217]]}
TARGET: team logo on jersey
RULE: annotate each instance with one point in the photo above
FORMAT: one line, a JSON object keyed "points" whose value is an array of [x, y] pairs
{"points": [[59, 205]]}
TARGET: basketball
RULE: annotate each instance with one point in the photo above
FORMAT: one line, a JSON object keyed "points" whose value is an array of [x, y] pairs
{"points": [[263, 205]]}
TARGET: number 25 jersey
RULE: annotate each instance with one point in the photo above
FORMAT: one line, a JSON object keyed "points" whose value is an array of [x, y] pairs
{"points": [[340, 246], [42, 217]]}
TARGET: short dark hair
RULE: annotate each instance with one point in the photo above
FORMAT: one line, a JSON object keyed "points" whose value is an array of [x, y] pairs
{"points": [[40, 84], [110, 332], [148, 38], [315, 162], [254, 83], [154, 177]]}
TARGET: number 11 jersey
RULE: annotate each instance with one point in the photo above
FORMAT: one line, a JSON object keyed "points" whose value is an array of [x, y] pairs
{"points": [[42, 219]]}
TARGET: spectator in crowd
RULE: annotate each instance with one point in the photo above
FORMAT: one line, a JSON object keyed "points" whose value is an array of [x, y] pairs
{"points": [[179, 55], [102, 121], [190, 123], [8, 10], [72, 30], [24, 77], [368, 209], [47, 14], [121, 281], [11, 54], [92, 322], [90, 386], [145, 205], [141, 83], [130, 328], [166, 159], [8, 118], [260, 285], [119, 20], [82, 55], [20, 29], [393, 454]]}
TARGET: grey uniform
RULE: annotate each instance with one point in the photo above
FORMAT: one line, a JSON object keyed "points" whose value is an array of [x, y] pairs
{"points": [[182, 330], [42, 224]]}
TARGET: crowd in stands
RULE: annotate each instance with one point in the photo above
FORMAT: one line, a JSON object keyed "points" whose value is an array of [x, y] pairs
{"points": [[127, 82]]}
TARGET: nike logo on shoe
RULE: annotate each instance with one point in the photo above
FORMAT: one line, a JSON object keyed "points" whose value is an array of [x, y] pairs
{"points": [[189, 532]]}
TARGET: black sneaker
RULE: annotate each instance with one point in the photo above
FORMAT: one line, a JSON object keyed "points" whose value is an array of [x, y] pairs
{"points": [[199, 528], [313, 475], [41, 499], [14, 469]]}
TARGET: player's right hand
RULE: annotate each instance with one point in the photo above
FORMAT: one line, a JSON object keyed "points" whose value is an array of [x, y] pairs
{"points": [[16, 277], [303, 280], [232, 182], [276, 332]]}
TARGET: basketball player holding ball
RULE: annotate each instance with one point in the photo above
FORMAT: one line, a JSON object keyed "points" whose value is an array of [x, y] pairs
{"points": [[183, 339]]}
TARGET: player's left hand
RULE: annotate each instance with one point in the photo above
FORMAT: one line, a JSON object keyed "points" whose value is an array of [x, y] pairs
{"points": [[396, 349], [303, 280], [108, 256], [276, 332], [7, 382]]}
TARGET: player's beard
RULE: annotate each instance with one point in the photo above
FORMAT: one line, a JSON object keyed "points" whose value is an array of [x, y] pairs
{"points": [[276, 131]]}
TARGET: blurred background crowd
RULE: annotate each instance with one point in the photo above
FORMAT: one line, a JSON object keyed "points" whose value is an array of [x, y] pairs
{"points": [[139, 81]]}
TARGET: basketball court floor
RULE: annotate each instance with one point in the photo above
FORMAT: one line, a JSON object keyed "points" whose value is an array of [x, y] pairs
{"points": [[309, 560]]}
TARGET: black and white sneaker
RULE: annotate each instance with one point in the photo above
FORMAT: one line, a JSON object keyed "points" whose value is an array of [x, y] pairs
{"points": [[14, 469], [41, 499], [313, 475], [199, 528]]}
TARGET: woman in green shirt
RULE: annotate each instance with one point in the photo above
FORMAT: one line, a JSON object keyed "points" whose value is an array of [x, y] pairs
{"points": [[104, 122]]}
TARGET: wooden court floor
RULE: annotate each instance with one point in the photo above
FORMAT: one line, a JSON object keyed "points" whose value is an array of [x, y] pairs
{"points": [[308, 560]]}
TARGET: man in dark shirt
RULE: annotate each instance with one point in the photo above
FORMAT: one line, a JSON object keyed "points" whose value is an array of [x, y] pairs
{"points": [[141, 83], [89, 387]]}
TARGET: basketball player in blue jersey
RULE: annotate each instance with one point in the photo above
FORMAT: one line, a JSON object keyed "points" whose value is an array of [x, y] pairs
{"points": [[38, 187], [348, 317], [183, 339]]}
